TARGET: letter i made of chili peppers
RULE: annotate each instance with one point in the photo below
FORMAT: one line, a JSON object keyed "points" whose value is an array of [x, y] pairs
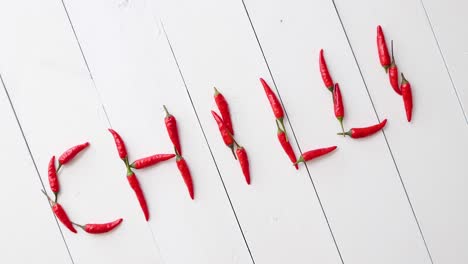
{"points": [[223, 109], [227, 138], [185, 172], [135, 185], [119, 143], [100, 228], [407, 97], [382, 48], [60, 213], [313, 154], [171, 126], [326, 77], [286, 146], [244, 162], [275, 104], [393, 75], [338, 106], [365, 131]]}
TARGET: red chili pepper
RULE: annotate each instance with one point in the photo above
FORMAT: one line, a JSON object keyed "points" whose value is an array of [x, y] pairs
{"points": [[121, 149], [393, 75], [101, 228], [135, 184], [185, 172], [274, 102], [365, 131], [60, 213], [63, 217], [287, 146], [382, 48], [312, 154], [244, 163], [227, 138], [326, 77], [151, 160], [223, 109], [338, 105], [71, 153], [407, 97], [53, 177], [171, 126]]}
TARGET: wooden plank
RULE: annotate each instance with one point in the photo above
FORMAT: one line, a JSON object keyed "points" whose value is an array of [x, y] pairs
{"points": [[448, 21], [431, 151], [136, 74], [25, 210], [359, 183], [58, 108], [279, 212]]}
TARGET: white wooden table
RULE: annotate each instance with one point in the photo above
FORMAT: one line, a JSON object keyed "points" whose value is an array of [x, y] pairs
{"points": [[72, 69]]}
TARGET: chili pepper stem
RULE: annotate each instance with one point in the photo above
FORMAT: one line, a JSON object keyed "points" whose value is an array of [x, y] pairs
{"points": [[348, 133], [233, 151], [281, 128], [301, 159], [78, 225], [165, 110], [55, 197], [58, 168], [340, 119], [48, 198], [126, 163]]}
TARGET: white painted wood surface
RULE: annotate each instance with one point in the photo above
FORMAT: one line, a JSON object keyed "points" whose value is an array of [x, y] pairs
{"points": [[74, 68]]}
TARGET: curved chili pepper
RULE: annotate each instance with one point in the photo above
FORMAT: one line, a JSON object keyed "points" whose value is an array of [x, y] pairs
{"points": [[53, 177], [223, 109], [185, 172], [407, 97], [312, 154], [71, 153], [227, 138], [274, 102], [101, 228], [63, 217], [151, 160], [119, 143], [326, 77], [171, 126], [393, 75], [244, 163], [287, 146], [364, 131], [135, 184], [338, 105], [60, 213], [382, 48]]}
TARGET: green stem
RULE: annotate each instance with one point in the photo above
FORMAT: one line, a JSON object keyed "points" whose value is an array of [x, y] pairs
{"points": [[301, 159], [342, 127], [58, 168], [233, 152], [165, 110], [281, 121]]}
